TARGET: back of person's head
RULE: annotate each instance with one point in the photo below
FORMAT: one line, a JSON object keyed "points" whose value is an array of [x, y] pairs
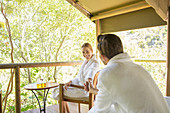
{"points": [[109, 45], [87, 45]]}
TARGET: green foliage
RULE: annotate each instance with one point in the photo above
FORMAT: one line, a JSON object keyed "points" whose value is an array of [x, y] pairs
{"points": [[27, 108], [2, 24]]}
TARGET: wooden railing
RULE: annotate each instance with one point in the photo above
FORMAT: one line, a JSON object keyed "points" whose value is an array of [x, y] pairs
{"points": [[146, 60], [17, 67], [0, 101]]}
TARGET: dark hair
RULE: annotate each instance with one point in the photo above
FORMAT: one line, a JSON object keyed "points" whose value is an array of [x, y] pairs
{"points": [[87, 45], [109, 45]]}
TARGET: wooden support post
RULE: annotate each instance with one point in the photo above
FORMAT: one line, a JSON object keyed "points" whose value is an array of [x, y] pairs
{"points": [[168, 56], [98, 32], [17, 90], [0, 101]]}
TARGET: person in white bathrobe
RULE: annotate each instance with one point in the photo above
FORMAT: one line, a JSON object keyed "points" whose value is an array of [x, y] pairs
{"points": [[86, 73], [124, 87]]}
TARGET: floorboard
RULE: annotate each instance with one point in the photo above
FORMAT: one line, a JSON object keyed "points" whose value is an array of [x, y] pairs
{"points": [[55, 109]]}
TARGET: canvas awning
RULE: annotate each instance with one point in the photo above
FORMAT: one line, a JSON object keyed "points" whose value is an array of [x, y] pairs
{"points": [[161, 7], [119, 15]]}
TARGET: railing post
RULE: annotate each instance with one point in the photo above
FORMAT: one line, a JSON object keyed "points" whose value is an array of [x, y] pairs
{"points": [[98, 32], [168, 56], [0, 101], [17, 90]]}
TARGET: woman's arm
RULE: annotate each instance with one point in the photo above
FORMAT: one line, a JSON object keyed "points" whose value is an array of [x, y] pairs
{"points": [[89, 88], [66, 85]]}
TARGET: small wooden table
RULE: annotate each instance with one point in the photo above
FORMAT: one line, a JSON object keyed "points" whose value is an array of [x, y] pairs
{"points": [[41, 86]]}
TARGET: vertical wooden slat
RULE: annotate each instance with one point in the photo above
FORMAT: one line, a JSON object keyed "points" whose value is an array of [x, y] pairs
{"points": [[0, 101], [17, 90], [98, 32], [168, 57]]}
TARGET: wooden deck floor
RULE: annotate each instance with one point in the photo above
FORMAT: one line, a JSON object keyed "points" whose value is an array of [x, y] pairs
{"points": [[55, 109]]}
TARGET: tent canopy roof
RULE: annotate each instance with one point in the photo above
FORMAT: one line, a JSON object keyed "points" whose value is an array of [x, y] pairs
{"points": [[119, 15]]}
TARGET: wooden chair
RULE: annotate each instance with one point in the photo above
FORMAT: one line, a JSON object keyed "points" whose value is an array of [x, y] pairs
{"points": [[0, 101], [86, 100]]}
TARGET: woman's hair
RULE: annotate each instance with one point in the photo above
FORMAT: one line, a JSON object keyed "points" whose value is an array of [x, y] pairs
{"points": [[109, 45], [87, 45]]}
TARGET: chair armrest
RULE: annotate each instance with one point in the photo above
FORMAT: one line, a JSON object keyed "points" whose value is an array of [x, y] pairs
{"points": [[77, 86]]}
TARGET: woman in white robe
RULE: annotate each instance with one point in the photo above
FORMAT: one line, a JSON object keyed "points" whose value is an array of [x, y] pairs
{"points": [[86, 73]]}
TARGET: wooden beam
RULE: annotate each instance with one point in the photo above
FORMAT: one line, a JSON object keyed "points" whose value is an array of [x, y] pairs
{"points": [[80, 8], [17, 90], [98, 32], [121, 10], [47, 64], [168, 57]]}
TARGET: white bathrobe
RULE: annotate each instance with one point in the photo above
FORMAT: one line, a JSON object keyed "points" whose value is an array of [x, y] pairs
{"points": [[87, 70], [125, 87]]}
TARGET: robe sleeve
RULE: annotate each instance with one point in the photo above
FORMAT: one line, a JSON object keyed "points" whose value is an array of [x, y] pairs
{"points": [[76, 80], [104, 98]]}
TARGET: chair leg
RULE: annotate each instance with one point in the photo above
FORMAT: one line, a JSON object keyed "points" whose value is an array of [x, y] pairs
{"points": [[79, 108], [91, 98], [66, 107], [61, 102], [61, 107]]}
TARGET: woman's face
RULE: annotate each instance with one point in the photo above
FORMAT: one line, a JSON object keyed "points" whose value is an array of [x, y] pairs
{"points": [[87, 53]]}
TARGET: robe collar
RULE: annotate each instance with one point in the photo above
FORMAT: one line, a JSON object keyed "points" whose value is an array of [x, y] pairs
{"points": [[122, 57]]}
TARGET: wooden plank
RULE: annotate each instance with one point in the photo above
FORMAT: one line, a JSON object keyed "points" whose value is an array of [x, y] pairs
{"points": [[168, 57], [0, 101], [55, 108], [47, 64], [17, 90]]}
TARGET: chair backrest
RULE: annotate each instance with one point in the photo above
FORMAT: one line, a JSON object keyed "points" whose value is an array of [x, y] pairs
{"points": [[95, 79]]}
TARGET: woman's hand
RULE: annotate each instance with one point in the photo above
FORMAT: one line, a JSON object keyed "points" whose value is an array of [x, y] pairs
{"points": [[66, 85], [89, 88], [89, 79], [86, 86]]}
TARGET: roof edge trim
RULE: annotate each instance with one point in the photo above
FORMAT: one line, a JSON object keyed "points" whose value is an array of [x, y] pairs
{"points": [[122, 10], [80, 8]]}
